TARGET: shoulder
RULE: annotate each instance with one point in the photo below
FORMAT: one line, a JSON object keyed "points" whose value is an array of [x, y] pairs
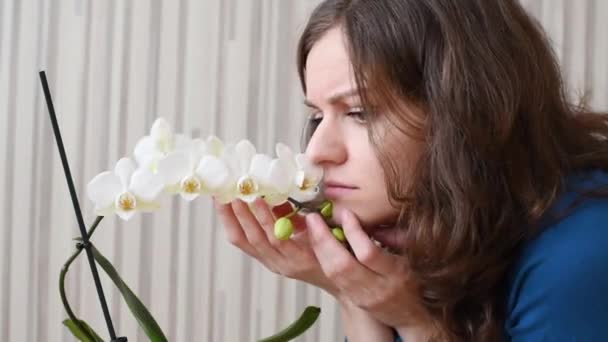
{"points": [[558, 287]]}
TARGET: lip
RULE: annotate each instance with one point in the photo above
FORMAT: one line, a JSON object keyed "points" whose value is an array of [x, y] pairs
{"points": [[334, 184], [335, 190]]}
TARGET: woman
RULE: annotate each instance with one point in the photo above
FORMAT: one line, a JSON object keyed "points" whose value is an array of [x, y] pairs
{"points": [[445, 135]]}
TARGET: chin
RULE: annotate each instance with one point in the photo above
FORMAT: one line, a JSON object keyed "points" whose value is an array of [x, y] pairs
{"points": [[368, 219]]}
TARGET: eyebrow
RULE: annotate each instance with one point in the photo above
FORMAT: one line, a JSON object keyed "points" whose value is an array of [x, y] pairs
{"points": [[335, 97]]}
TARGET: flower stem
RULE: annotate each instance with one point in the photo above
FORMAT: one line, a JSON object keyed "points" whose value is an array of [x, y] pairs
{"points": [[94, 226], [62, 275], [296, 203], [295, 211], [299, 206]]}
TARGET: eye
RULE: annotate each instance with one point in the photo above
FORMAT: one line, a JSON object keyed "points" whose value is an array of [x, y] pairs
{"points": [[358, 114], [314, 120]]}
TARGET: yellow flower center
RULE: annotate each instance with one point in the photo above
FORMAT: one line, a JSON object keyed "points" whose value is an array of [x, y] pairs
{"points": [[191, 185], [126, 201], [246, 186], [306, 184]]}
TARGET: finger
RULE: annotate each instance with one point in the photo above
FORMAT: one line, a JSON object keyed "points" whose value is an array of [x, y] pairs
{"points": [[370, 255], [233, 230], [255, 234], [337, 263]]}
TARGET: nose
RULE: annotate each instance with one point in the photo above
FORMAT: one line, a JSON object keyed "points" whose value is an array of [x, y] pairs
{"points": [[327, 144]]}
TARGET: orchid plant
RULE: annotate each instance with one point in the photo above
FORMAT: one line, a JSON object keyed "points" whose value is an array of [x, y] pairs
{"points": [[167, 163]]}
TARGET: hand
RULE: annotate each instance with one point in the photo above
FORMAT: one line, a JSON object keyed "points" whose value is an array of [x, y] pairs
{"points": [[252, 230], [372, 279], [359, 325]]}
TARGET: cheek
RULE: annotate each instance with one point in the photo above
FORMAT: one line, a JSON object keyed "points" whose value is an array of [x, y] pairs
{"points": [[378, 209], [374, 208]]}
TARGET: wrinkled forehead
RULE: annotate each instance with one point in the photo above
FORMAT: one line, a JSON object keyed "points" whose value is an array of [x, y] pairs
{"points": [[328, 67]]}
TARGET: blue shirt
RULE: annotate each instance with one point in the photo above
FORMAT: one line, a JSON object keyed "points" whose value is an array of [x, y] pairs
{"points": [[558, 287]]}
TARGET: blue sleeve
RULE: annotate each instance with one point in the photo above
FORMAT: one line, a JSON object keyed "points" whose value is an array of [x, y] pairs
{"points": [[559, 288]]}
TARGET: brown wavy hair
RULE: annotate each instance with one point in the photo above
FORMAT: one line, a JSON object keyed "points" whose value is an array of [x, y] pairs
{"points": [[478, 82]]}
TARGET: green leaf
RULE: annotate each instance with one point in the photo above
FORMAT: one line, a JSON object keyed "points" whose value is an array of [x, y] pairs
{"points": [[79, 334], [142, 315], [295, 329]]}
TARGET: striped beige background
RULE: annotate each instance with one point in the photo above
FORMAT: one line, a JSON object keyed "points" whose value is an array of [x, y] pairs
{"points": [[212, 66]]}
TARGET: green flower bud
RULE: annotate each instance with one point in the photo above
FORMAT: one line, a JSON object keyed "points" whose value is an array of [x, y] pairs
{"points": [[327, 209], [338, 234], [283, 228]]}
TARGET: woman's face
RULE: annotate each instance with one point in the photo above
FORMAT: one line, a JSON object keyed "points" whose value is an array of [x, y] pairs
{"points": [[353, 177]]}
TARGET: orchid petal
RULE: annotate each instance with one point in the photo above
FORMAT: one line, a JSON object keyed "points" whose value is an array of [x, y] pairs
{"points": [[145, 184], [104, 211], [258, 169], [124, 169], [283, 151], [125, 215], [313, 172], [275, 199], [286, 156], [197, 149], [304, 196], [181, 142], [147, 206], [244, 152], [225, 196], [299, 178], [172, 188], [248, 198], [144, 148], [230, 158], [279, 176], [213, 172], [214, 146], [174, 167], [161, 130], [104, 188], [189, 196]]}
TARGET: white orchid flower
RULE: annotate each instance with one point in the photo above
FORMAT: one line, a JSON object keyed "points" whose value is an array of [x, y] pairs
{"points": [[274, 179], [252, 175], [214, 146], [161, 141], [125, 190], [194, 170], [304, 185]]}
